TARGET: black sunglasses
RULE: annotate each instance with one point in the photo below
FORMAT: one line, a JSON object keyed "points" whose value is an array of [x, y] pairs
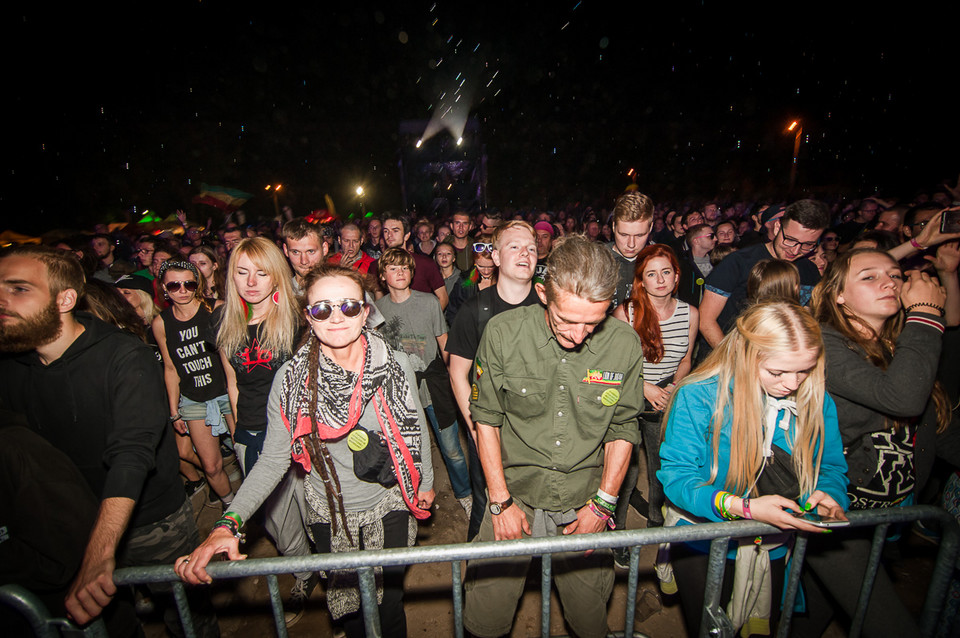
{"points": [[322, 310], [174, 286]]}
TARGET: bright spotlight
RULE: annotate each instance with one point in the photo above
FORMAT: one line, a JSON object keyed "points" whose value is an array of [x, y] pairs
{"points": [[359, 190], [459, 141], [419, 143]]}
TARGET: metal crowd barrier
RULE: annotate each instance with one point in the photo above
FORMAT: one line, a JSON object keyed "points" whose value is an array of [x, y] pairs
{"points": [[715, 621]]}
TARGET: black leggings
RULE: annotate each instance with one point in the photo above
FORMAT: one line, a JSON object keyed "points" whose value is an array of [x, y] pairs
{"points": [[393, 620]]}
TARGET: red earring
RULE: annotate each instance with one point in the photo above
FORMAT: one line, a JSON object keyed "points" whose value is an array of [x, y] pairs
{"points": [[276, 297]]}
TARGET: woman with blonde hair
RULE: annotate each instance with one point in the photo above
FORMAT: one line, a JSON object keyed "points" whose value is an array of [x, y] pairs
{"points": [[752, 434], [256, 330], [259, 325]]}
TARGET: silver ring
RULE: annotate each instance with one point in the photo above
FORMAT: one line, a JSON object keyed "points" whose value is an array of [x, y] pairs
{"points": [[186, 560]]}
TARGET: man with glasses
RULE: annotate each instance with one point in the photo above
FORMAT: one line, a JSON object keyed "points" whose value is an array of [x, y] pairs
{"points": [[146, 245], [796, 234], [695, 263], [488, 224]]}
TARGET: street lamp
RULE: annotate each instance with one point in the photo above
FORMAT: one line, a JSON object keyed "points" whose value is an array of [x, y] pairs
{"points": [[798, 127], [360, 191], [276, 189]]}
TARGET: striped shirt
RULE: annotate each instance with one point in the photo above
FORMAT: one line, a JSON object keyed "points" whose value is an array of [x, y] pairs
{"points": [[675, 333]]}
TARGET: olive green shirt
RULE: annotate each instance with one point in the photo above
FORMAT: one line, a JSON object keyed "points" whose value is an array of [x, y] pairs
{"points": [[556, 408]]}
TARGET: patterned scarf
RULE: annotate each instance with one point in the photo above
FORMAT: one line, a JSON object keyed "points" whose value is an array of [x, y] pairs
{"points": [[341, 400]]}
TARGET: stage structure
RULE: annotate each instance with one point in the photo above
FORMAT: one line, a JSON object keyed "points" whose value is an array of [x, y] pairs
{"points": [[441, 174]]}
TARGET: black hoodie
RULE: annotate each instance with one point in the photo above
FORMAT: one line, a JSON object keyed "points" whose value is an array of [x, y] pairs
{"points": [[103, 404]]}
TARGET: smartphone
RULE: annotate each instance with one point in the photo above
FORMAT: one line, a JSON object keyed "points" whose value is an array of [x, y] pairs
{"points": [[950, 221], [821, 521]]}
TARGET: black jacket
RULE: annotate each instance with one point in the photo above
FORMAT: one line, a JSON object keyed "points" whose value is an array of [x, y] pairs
{"points": [[102, 403]]}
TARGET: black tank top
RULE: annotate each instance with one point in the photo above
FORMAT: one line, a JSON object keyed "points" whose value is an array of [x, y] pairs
{"points": [[196, 359]]}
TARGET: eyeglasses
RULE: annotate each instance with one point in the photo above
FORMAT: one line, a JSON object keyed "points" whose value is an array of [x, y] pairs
{"points": [[322, 310], [708, 236], [481, 247], [174, 286], [790, 242]]}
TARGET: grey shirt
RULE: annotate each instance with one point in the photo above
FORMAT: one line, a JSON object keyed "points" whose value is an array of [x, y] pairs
{"points": [[275, 459]]}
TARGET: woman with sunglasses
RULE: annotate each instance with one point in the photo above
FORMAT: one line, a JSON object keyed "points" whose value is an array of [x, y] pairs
{"points": [[345, 408], [192, 371], [482, 275]]}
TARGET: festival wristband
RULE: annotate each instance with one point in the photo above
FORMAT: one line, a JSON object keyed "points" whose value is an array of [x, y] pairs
{"points": [[916, 244], [602, 515], [746, 509], [608, 497], [603, 505]]}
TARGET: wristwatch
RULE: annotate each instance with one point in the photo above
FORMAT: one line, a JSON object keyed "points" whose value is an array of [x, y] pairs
{"points": [[497, 508]]}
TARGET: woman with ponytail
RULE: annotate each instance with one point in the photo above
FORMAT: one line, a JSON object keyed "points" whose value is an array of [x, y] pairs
{"points": [[345, 409]]}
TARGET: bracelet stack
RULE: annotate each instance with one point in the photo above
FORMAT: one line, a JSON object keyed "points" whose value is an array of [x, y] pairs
{"points": [[721, 502], [231, 522], [602, 513]]}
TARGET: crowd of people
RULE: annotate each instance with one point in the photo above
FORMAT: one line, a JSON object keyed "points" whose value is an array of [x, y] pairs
{"points": [[781, 363]]}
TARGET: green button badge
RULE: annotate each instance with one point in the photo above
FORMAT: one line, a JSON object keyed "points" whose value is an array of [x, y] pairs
{"points": [[357, 440], [610, 397]]}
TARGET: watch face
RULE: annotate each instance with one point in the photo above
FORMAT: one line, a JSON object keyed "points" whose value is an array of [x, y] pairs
{"points": [[495, 508]]}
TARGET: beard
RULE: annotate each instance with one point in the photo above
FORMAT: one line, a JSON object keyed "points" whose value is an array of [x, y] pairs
{"points": [[31, 332]]}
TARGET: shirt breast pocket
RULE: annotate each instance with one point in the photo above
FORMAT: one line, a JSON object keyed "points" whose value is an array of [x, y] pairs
{"points": [[524, 397], [591, 406]]}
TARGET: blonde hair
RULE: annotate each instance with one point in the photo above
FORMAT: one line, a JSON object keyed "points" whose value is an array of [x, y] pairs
{"points": [[146, 305], [764, 330], [279, 327]]}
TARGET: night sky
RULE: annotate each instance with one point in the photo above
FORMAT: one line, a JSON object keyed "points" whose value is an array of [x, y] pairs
{"points": [[137, 107]]}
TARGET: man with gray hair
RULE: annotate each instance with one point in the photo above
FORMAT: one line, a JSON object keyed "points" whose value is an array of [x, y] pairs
{"points": [[555, 398]]}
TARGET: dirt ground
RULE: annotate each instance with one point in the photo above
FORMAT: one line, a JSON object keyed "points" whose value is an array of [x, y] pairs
{"points": [[244, 610]]}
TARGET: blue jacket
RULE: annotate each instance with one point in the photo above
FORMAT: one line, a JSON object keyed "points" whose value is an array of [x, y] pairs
{"points": [[687, 452]]}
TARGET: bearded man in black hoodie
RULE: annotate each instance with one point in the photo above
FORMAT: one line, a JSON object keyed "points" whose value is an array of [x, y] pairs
{"points": [[95, 393]]}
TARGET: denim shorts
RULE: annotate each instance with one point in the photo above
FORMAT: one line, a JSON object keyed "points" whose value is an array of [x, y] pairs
{"points": [[197, 410]]}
